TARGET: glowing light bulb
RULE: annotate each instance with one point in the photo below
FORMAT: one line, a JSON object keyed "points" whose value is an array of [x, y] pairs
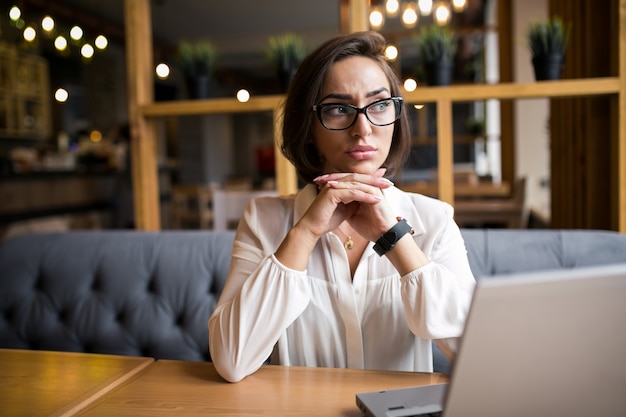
{"points": [[95, 136], [391, 53], [392, 7], [47, 23], [15, 13], [459, 5], [86, 50], [243, 95], [376, 18], [409, 15], [442, 13], [101, 42], [425, 6], [162, 71], [76, 33], [60, 43], [30, 34], [61, 95], [410, 84]]}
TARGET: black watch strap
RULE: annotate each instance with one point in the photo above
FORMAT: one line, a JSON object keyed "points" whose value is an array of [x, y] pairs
{"points": [[391, 237]]}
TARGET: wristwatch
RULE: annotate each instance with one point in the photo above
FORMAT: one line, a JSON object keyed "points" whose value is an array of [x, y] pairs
{"points": [[392, 236]]}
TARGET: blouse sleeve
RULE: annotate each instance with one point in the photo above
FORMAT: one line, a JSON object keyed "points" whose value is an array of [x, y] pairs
{"points": [[437, 296], [260, 300]]}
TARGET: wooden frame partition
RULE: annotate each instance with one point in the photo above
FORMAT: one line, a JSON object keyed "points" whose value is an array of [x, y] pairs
{"points": [[143, 110]]}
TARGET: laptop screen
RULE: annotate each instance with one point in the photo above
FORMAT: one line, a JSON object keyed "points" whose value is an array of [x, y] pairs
{"points": [[549, 343]]}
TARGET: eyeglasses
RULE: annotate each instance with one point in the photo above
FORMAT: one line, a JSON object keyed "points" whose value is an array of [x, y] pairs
{"points": [[339, 116]]}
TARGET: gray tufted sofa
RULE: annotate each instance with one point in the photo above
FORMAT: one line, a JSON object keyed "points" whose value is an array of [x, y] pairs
{"points": [[151, 293]]}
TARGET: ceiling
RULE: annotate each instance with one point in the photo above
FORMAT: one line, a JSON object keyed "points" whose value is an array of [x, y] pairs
{"points": [[237, 27]]}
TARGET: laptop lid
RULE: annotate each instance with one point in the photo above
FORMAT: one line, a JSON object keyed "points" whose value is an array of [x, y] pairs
{"points": [[542, 343]]}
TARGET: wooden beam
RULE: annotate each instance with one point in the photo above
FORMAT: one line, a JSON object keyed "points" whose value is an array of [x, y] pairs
{"points": [[286, 178], [445, 149], [517, 91], [621, 163], [143, 147], [358, 15]]}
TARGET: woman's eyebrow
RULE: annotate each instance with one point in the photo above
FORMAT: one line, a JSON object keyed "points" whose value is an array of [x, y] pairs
{"points": [[348, 96]]}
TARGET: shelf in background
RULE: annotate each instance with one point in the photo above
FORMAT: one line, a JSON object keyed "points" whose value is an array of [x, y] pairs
{"points": [[208, 106], [462, 92]]}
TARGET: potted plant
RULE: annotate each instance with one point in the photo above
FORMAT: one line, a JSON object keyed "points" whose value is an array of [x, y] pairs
{"points": [[197, 61], [285, 53], [547, 40], [436, 46]]}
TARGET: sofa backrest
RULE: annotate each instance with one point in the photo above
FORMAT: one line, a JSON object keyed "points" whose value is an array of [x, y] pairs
{"points": [[117, 292], [507, 251], [151, 293]]}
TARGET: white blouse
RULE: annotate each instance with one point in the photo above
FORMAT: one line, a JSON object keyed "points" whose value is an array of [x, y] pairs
{"points": [[321, 316]]}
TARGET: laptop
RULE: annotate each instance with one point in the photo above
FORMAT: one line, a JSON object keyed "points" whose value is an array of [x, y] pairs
{"points": [[537, 344]]}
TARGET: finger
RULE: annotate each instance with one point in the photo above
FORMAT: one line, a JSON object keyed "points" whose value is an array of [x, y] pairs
{"points": [[354, 192], [374, 180]]}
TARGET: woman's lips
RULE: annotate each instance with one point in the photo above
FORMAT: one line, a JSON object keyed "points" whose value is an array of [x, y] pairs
{"points": [[362, 152]]}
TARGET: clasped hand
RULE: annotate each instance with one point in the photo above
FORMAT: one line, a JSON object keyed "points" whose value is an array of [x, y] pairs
{"points": [[352, 197]]}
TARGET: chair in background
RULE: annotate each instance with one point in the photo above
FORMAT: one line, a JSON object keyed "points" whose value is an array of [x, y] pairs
{"points": [[192, 206], [508, 212], [230, 204]]}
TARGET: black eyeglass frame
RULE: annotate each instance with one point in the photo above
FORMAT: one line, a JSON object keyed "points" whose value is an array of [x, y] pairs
{"points": [[397, 102]]}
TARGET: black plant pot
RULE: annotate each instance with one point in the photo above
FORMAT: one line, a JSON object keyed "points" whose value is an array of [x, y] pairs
{"points": [[439, 73], [548, 67], [284, 77], [199, 87]]}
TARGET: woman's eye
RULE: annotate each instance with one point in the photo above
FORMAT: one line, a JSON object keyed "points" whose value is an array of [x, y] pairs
{"points": [[380, 107], [336, 110]]}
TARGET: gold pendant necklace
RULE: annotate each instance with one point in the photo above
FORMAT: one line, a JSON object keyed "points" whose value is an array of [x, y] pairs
{"points": [[348, 243]]}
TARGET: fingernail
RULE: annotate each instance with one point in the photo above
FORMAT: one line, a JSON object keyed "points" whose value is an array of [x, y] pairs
{"points": [[320, 177], [387, 180]]}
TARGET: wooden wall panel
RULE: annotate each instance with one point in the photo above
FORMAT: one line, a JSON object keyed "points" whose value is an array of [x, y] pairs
{"points": [[583, 130]]}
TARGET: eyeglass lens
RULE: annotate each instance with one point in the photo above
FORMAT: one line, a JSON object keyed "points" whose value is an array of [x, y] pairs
{"points": [[342, 116]]}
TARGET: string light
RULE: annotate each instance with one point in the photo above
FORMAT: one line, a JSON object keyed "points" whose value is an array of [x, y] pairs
{"points": [[392, 7], [162, 71], [243, 95], [61, 95], [49, 27], [377, 18], [76, 33], [425, 6], [391, 53], [101, 42], [442, 13], [411, 11], [15, 13], [47, 24], [86, 51], [409, 15], [30, 34], [459, 5], [60, 43], [410, 85]]}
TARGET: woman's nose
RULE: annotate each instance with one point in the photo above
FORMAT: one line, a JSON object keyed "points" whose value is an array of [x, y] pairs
{"points": [[361, 127]]}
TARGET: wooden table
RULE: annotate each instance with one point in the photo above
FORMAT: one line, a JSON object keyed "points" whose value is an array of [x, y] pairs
{"points": [[195, 389], [41, 383]]}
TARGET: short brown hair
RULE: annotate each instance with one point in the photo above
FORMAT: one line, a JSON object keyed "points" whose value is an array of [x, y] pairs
{"points": [[305, 88]]}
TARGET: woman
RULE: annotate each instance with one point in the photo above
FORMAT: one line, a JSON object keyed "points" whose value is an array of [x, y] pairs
{"points": [[350, 271]]}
